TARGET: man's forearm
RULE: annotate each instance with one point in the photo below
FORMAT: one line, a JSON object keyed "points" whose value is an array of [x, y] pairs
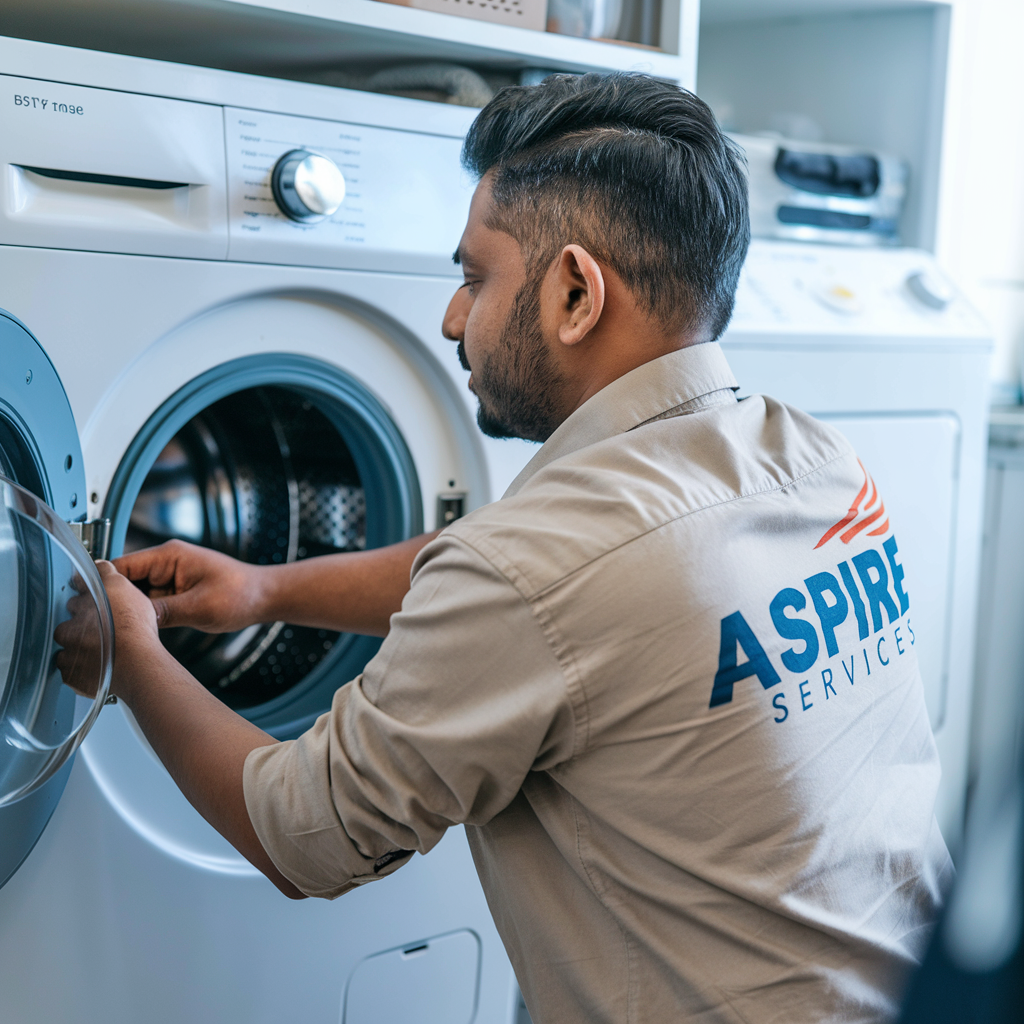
{"points": [[357, 592], [203, 744]]}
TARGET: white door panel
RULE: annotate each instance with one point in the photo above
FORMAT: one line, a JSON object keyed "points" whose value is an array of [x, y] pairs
{"points": [[914, 460]]}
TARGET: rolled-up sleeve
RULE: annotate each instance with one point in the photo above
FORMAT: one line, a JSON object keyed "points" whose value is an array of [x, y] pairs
{"points": [[464, 698]]}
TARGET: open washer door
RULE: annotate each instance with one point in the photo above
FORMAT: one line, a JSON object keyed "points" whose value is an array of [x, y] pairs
{"points": [[43, 566]]}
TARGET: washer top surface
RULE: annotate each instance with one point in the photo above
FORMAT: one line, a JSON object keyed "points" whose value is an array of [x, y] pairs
{"points": [[806, 290]]}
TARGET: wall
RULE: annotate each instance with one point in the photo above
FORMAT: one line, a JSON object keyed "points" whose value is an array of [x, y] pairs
{"points": [[981, 220]]}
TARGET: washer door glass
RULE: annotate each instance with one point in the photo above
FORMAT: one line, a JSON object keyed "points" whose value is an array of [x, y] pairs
{"points": [[46, 580]]}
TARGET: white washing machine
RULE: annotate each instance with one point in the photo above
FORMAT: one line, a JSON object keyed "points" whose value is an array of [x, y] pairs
{"points": [[275, 386], [879, 343]]}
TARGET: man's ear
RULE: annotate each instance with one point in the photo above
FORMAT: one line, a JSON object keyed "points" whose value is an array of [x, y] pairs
{"points": [[575, 293]]}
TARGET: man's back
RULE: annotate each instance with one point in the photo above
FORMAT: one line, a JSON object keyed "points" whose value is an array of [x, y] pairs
{"points": [[744, 829]]}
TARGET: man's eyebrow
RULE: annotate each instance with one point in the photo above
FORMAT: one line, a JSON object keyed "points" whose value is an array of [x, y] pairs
{"points": [[456, 258]]}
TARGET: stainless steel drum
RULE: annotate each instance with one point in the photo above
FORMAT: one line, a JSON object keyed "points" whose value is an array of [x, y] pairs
{"points": [[262, 475]]}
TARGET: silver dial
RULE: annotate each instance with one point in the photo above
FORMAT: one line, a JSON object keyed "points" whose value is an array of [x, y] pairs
{"points": [[929, 289], [307, 186]]}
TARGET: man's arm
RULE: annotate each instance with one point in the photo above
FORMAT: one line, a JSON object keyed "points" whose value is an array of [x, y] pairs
{"points": [[474, 699], [356, 592], [201, 742]]}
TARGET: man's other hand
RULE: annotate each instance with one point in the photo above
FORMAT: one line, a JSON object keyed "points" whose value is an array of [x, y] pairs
{"points": [[202, 742], [194, 586]]}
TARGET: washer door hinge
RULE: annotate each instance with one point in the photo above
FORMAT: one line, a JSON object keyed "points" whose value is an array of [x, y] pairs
{"points": [[95, 537]]}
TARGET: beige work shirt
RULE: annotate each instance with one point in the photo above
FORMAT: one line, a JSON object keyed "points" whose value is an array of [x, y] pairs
{"points": [[668, 683]]}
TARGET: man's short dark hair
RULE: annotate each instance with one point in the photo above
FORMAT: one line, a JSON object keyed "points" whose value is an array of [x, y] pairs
{"points": [[633, 169]]}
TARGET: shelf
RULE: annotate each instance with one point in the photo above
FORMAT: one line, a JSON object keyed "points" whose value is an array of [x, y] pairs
{"points": [[284, 38]]}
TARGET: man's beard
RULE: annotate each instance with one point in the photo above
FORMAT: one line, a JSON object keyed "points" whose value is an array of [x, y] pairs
{"points": [[517, 385]]}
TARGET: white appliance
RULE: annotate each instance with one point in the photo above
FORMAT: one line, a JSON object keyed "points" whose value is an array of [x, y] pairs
{"points": [[879, 343], [998, 732], [275, 385], [822, 192]]}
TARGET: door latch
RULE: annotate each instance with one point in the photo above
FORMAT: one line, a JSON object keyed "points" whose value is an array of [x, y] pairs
{"points": [[451, 505], [95, 537]]}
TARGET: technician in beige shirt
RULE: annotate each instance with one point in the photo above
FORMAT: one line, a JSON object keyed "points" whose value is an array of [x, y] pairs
{"points": [[668, 682]]}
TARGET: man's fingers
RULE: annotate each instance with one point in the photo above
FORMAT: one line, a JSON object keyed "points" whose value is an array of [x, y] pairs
{"points": [[164, 616], [106, 569], [175, 610], [156, 565], [141, 565]]}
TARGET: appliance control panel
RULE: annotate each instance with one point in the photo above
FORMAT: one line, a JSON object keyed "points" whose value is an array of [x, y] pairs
{"points": [[800, 290], [311, 192], [113, 171]]}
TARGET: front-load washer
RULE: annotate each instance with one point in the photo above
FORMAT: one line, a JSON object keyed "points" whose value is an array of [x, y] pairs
{"points": [[238, 283]]}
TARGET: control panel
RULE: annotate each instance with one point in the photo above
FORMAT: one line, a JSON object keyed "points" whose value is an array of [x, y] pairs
{"points": [[799, 289], [327, 193], [114, 171]]}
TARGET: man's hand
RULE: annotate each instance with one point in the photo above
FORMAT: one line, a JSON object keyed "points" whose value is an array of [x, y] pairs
{"points": [[354, 592], [138, 642], [197, 587], [202, 743]]}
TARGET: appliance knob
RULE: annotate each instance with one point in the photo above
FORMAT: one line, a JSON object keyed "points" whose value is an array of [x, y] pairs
{"points": [[307, 186], [929, 289]]}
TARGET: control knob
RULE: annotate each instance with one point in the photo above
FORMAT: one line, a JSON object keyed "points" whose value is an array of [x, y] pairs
{"points": [[307, 186], [929, 289]]}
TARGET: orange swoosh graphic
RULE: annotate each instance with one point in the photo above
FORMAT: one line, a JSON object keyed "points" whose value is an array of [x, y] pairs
{"points": [[863, 524], [874, 494], [859, 507], [850, 516]]}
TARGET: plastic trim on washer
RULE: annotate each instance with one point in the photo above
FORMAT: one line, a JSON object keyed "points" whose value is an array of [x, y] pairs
{"points": [[33, 401]]}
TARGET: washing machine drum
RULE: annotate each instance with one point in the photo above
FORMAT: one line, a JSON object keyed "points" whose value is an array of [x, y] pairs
{"points": [[272, 474]]}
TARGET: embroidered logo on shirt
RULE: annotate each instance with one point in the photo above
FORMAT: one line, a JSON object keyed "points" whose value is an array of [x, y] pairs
{"points": [[866, 510]]}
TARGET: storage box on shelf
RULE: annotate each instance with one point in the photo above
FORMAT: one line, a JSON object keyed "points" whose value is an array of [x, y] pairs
{"points": [[530, 14]]}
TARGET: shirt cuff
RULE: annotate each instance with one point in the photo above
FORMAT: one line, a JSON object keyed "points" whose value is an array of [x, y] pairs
{"points": [[282, 788]]}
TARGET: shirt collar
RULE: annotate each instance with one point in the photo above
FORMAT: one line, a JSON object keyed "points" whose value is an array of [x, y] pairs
{"points": [[643, 394]]}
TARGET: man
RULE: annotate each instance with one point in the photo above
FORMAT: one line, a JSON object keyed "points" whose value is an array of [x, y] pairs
{"points": [[667, 682]]}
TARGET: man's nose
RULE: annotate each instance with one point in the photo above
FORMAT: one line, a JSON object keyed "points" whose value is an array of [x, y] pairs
{"points": [[453, 327]]}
